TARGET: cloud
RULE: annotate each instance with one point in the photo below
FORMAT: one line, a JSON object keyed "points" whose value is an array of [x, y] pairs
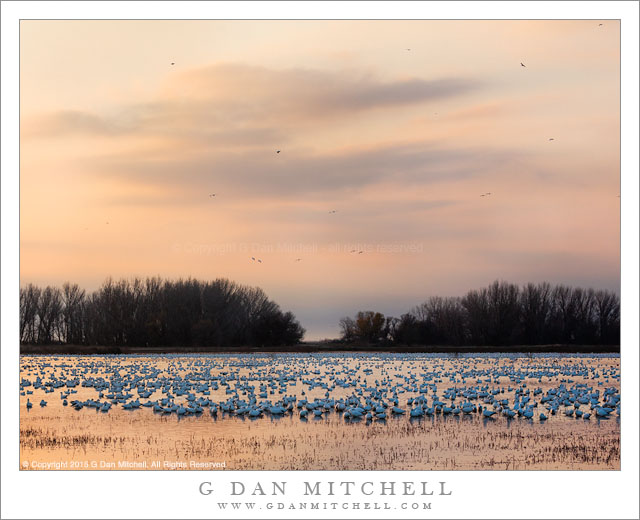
{"points": [[72, 122], [230, 104], [217, 128], [308, 91], [293, 174]]}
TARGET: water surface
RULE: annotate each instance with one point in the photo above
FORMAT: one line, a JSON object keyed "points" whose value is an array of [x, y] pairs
{"points": [[57, 436]]}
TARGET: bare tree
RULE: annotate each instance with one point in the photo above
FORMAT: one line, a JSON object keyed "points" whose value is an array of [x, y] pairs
{"points": [[478, 310], [408, 330], [29, 302], [49, 313], [348, 329], [607, 309], [443, 321], [535, 305], [504, 312], [72, 308]]}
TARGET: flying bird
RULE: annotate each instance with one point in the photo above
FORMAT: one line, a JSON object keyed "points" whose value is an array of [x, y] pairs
{"points": [[259, 260], [522, 64], [212, 195], [277, 151], [332, 211], [408, 49], [600, 24], [551, 139], [360, 252], [253, 258], [172, 63]]}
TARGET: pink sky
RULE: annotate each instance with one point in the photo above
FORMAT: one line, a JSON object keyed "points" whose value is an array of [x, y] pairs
{"points": [[400, 143]]}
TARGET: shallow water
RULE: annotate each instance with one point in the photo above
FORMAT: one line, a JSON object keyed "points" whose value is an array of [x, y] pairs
{"points": [[60, 437]]}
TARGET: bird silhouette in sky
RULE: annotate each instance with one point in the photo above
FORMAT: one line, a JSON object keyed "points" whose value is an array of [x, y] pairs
{"points": [[259, 260], [332, 211], [212, 195], [600, 24], [277, 151], [172, 63], [360, 252], [551, 139], [523, 64]]}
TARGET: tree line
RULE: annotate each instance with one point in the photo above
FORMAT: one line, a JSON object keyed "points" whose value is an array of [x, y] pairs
{"points": [[498, 315], [155, 312]]}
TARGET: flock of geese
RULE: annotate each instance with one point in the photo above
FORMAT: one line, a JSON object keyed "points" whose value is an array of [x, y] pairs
{"points": [[356, 387]]}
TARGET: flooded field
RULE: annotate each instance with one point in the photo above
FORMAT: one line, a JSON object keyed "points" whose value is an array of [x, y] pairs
{"points": [[323, 411]]}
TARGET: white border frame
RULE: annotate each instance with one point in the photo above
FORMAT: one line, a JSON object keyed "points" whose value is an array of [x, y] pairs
{"points": [[539, 494]]}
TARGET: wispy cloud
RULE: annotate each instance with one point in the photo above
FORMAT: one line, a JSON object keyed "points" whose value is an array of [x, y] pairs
{"points": [[263, 172], [72, 122], [235, 103], [310, 92], [218, 128]]}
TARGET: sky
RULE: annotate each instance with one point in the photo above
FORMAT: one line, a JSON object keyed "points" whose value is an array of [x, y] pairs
{"points": [[391, 134]]}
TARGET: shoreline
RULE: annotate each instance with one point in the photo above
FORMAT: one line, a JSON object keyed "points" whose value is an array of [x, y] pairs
{"points": [[319, 348]]}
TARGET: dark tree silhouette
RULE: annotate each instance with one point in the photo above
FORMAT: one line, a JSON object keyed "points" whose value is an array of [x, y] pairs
{"points": [[499, 315], [535, 307], [443, 319], [370, 326], [607, 309], [155, 312], [29, 302]]}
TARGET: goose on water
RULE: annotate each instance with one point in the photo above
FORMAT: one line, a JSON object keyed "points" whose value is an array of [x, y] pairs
{"points": [[348, 390]]}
